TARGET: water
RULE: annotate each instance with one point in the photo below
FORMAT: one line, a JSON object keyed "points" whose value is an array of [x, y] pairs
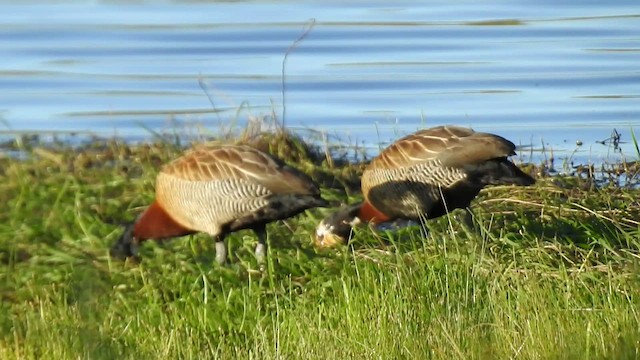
{"points": [[541, 73]]}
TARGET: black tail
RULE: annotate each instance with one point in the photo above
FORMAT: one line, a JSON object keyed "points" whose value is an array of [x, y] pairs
{"points": [[126, 246], [502, 172]]}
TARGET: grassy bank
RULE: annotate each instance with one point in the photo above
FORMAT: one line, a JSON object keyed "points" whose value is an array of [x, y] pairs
{"points": [[549, 271]]}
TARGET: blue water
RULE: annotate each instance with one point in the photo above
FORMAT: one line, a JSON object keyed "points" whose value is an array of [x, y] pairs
{"points": [[544, 74]]}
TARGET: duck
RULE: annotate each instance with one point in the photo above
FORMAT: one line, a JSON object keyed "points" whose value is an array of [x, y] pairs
{"points": [[217, 190], [425, 175]]}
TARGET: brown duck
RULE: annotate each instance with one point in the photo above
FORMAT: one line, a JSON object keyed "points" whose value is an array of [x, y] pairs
{"points": [[218, 190], [426, 175]]}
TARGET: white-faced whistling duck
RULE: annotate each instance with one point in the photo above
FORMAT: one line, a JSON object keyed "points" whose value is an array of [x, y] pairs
{"points": [[425, 175], [218, 190]]}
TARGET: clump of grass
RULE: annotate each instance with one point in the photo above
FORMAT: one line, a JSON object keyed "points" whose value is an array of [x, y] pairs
{"points": [[549, 271]]}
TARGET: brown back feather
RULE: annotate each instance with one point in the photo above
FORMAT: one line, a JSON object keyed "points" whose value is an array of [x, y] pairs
{"points": [[219, 162], [453, 146]]}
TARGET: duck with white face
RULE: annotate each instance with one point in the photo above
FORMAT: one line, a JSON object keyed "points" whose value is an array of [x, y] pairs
{"points": [[220, 189], [336, 228], [425, 175]]}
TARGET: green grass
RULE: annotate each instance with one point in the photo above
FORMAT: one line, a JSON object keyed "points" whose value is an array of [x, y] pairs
{"points": [[549, 272]]}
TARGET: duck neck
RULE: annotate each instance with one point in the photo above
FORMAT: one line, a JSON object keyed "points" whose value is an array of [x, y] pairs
{"points": [[368, 213], [155, 223]]}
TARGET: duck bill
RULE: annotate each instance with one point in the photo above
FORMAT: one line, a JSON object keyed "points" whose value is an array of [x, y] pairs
{"points": [[329, 240]]}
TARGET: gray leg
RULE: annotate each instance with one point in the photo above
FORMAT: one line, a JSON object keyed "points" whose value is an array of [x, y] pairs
{"points": [[261, 247], [221, 251], [467, 219]]}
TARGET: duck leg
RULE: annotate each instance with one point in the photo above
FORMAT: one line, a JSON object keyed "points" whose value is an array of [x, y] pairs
{"points": [[461, 221], [221, 250], [467, 219], [261, 247]]}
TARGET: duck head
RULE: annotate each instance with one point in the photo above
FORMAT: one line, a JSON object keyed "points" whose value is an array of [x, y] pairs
{"points": [[335, 229]]}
